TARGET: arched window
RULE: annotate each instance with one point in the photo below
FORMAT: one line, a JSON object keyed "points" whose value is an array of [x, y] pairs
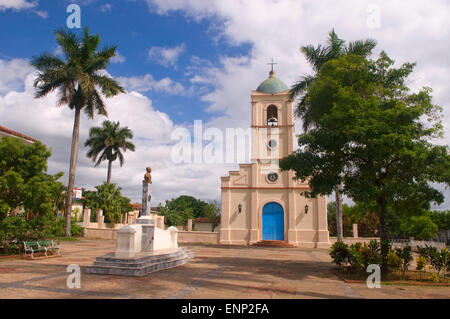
{"points": [[272, 116]]}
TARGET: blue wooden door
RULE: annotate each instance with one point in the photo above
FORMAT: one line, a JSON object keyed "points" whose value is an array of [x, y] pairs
{"points": [[273, 222]]}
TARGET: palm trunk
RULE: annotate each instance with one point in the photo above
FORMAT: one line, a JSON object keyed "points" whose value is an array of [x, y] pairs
{"points": [[73, 166], [108, 180], [384, 240], [339, 229]]}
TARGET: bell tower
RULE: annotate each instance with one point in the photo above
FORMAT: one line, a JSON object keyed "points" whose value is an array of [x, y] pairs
{"points": [[259, 202], [272, 121]]}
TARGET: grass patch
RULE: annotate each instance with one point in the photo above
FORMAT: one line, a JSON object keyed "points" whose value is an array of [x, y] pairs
{"points": [[63, 238], [395, 278]]}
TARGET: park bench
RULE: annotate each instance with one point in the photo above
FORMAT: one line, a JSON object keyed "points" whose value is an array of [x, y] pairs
{"points": [[41, 247], [51, 246]]}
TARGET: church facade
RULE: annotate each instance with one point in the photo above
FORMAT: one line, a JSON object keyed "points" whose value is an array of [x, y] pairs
{"points": [[259, 202]]}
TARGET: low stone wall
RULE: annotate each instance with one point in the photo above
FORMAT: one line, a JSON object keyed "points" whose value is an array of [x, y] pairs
{"points": [[183, 236], [190, 237], [415, 243], [395, 243], [353, 240], [103, 233]]}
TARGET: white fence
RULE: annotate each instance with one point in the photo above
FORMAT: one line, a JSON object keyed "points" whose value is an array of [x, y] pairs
{"points": [[414, 243]]}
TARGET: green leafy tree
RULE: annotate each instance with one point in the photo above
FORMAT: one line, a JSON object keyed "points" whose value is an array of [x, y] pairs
{"points": [[23, 179], [441, 219], [108, 197], [90, 200], [372, 137], [173, 217], [360, 214], [419, 227], [212, 212], [190, 204], [110, 140], [79, 81], [317, 57]]}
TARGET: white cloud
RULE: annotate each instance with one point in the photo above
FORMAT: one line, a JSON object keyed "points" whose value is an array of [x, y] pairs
{"points": [[118, 58], [16, 4], [12, 74], [409, 31], [43, 120], [166, 56], [107, 7], [148, 83], [413, 31]]}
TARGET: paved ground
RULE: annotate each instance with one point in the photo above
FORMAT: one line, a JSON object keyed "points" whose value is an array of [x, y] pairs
{"points": [[215, 272]]}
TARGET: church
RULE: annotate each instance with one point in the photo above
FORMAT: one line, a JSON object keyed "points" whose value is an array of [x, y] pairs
{"points": [[259, 203]]}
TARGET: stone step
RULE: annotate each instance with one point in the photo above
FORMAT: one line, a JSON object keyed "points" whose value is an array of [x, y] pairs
{"points": [[129, 269], [274, 243], [142, 258], [140, 263]]}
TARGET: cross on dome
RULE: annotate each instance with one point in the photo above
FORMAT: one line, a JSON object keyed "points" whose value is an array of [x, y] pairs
{"points": [[272, 72]]}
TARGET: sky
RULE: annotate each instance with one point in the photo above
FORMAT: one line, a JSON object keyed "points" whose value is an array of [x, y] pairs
{"points": [[185, 61]]}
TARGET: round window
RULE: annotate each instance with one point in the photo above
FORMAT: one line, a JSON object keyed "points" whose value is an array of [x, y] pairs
{"points": [[272, 177], [273, 143]]}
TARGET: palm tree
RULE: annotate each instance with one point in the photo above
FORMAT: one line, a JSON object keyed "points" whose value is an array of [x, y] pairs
{"points": [[318, 56], [78, 80], [110, 139]]}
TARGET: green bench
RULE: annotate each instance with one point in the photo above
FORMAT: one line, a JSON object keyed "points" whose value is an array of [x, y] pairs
{"points": [[41, 247]]}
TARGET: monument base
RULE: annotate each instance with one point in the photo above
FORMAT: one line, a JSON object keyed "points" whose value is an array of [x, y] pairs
{"points": [[142, 264]]}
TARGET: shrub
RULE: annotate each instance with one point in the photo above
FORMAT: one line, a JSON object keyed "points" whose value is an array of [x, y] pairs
{"points": [[439, 261], [421, 263], [393, 261], [14, 230], [339, 253], [356, 257], [406, 257], [374, 248]]}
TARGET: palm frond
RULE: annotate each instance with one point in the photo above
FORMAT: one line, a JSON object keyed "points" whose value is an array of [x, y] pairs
{"points": [[68, 42], [46, 62], [361, 47], [109, 86]]}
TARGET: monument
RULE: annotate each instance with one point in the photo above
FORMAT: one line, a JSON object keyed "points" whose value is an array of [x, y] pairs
{"points": [[142, 248]]}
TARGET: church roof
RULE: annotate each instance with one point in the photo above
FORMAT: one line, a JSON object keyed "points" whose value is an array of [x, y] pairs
{"points": [[272, 85]]}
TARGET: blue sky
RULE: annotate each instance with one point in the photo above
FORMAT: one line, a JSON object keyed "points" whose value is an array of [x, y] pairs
{"points": [[135, 30], [186, 60]]}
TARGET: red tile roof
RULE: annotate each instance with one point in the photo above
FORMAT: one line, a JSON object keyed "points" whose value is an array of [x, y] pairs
{"points": [[11, 132]]}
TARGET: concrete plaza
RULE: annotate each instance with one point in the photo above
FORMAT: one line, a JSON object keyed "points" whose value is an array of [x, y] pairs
{"points": [[215, 272]]}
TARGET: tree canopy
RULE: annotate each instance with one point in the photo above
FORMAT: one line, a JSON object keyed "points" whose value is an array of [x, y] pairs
{"points": [[23, 178], [108, 197], [374, 136], [177, 211], [111, 141]]}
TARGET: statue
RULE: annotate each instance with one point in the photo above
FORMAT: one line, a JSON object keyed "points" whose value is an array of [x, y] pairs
{"points": [[148, 176], [146, 193]]}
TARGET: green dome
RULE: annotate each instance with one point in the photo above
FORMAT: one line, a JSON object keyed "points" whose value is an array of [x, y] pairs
{"points": [[272, 85]]}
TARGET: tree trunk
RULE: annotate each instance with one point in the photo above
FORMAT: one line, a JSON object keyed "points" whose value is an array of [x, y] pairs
{"points": [[73, 166], [339, 229], [108, 180], [384, 240]]}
